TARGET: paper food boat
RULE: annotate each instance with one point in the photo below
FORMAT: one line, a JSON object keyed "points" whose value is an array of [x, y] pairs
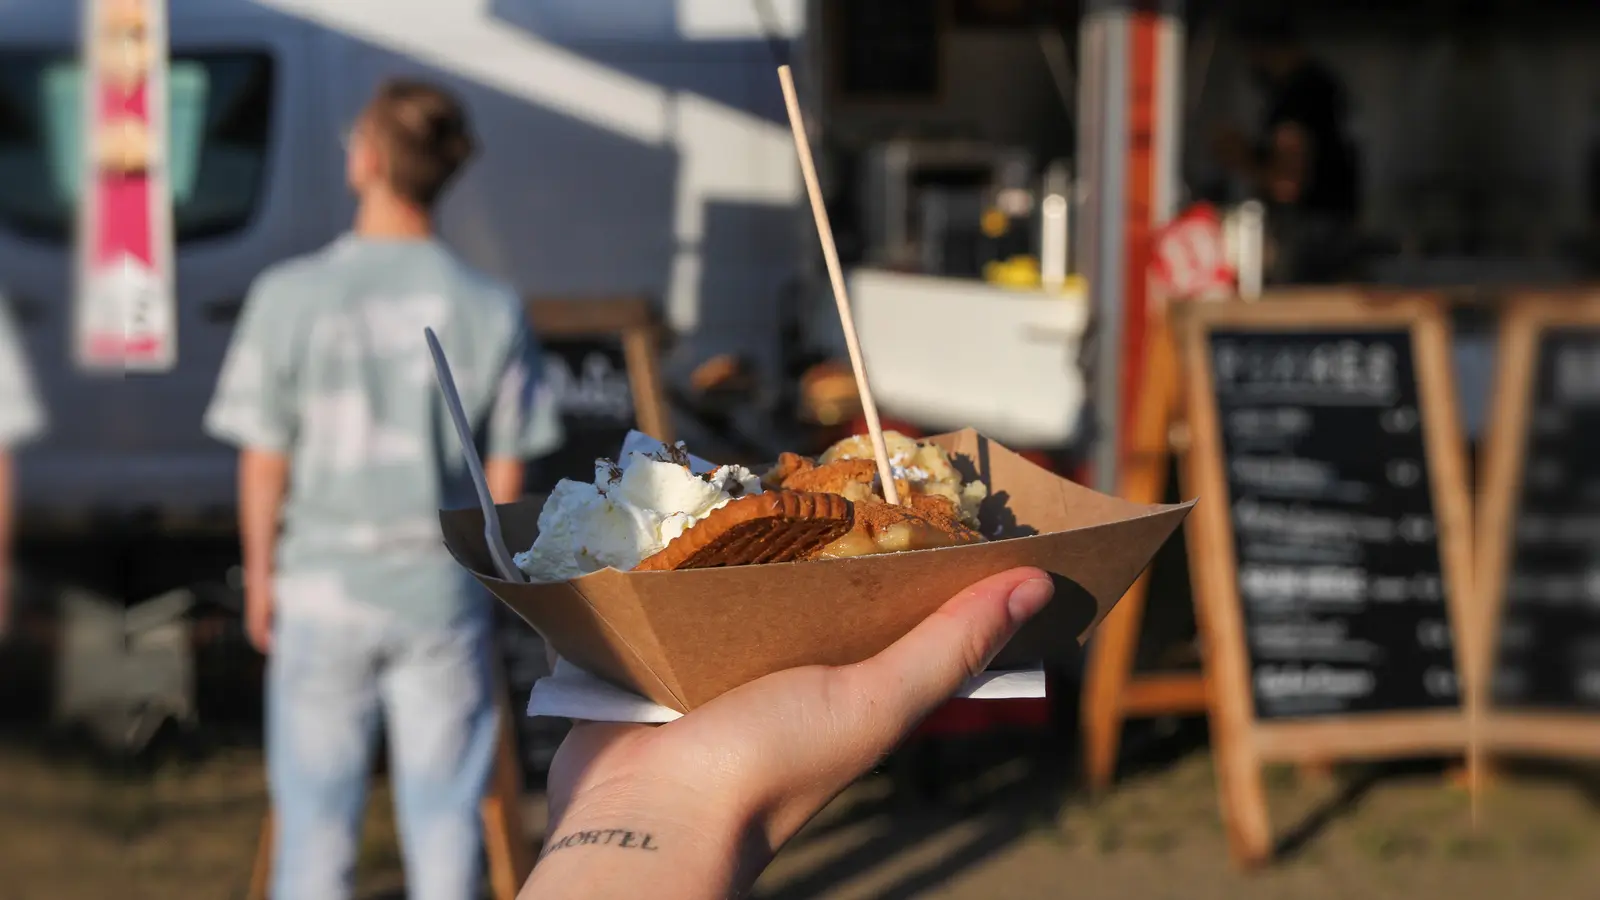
{"points": [[682, 638]]}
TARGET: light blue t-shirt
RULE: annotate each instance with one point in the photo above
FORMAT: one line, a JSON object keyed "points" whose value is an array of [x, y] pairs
{"points": [[330, 366]]}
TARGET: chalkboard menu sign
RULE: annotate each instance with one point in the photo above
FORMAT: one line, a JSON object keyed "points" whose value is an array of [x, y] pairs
{"points": [[1332, 552], [1339, 574], [1539, 530], [589, 381], [1549, 641]]}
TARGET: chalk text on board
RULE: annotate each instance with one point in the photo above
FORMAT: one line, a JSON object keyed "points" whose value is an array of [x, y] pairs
{"points": [[600, 389]]}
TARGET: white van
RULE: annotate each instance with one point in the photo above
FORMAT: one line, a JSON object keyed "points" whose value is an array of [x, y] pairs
{"points": [[642, 151]]}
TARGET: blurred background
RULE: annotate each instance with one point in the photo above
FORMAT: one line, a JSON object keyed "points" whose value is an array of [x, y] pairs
{"points": [[996, 172]]}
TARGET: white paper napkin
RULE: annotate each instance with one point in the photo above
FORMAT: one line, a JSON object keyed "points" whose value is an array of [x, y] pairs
{"points": [[572, 693]]}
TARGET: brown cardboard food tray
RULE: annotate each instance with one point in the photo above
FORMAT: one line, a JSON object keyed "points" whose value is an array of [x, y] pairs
{"points": [[682, 638]]}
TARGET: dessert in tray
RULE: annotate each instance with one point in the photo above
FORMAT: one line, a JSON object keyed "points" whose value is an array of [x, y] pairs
{"points": [[643, 576], [654, 512]]}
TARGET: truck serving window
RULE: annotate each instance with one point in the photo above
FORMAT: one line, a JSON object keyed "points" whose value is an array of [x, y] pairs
{"points": [[219, 127]]}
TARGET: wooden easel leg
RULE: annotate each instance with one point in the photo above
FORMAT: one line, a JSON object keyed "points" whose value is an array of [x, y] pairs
{"points": [[1474, 774], [1116, 643], [1105, 681], [1244, 801], [505, 842], [261, 872], [639, 347]]}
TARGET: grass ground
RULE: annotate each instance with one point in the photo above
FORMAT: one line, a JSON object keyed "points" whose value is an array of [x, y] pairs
{"points": [[1008, 825]]}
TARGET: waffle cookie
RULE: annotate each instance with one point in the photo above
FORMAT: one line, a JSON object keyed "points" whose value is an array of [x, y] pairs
{"points": [[857, 481], [925, 476], [779, 526]]}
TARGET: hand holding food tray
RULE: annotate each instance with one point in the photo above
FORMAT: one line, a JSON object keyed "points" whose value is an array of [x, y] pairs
{"points": [[682, 636]]}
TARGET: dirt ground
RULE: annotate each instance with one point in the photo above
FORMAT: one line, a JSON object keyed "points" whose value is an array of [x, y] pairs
{"points": [[1008, 824]]}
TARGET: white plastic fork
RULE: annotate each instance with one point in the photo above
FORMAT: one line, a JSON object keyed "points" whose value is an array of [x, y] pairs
{"points": [[469, 450]]}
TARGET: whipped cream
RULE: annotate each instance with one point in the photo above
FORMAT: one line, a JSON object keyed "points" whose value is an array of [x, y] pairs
{"points": [[632, 510]]}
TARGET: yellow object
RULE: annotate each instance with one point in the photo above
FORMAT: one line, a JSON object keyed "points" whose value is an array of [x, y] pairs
{"points": [[1016, 272], [994, 223], [1022, 273]]}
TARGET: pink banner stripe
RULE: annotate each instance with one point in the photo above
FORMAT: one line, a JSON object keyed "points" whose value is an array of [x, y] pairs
{"points": [[124, 198]]}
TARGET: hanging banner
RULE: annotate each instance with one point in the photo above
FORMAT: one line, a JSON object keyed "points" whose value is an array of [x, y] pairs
{"points": [[126, 313]]}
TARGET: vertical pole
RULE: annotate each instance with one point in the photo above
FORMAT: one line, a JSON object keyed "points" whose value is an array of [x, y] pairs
{"points": [[505, 844], [1128, 146], [1102, 148], [1137, 219], [1167, 173], [261, 866]]}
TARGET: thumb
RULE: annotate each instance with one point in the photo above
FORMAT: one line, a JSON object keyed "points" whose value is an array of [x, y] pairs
{"points": [[924, 668]]}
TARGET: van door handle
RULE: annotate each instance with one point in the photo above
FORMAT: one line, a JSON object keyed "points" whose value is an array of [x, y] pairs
{"points": [[225, 311]]}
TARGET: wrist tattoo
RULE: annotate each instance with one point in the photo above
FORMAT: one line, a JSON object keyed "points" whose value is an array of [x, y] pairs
{"points": [[621, 838]]}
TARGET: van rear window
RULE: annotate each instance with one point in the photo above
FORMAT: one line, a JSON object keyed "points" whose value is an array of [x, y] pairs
{"points": [[219, 126]]}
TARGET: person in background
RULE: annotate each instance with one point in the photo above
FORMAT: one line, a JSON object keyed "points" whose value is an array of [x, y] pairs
{"points": [[21, 420], [1301, 162], [346, 455]]}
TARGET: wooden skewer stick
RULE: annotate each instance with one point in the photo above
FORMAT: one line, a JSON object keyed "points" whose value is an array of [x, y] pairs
{"points": [[808, 169]]}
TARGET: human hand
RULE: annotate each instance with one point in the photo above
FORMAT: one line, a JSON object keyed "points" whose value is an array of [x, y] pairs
{"points": [[258, 611], [698, 807]]}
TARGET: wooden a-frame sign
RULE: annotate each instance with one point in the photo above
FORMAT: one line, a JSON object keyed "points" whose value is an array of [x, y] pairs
{"points": [[1309, 374], [1112, 691], [1539, 658], [630, 320]]}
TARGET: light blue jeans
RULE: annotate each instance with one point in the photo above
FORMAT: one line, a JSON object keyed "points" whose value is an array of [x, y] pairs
{"points": [[331, 679]]}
